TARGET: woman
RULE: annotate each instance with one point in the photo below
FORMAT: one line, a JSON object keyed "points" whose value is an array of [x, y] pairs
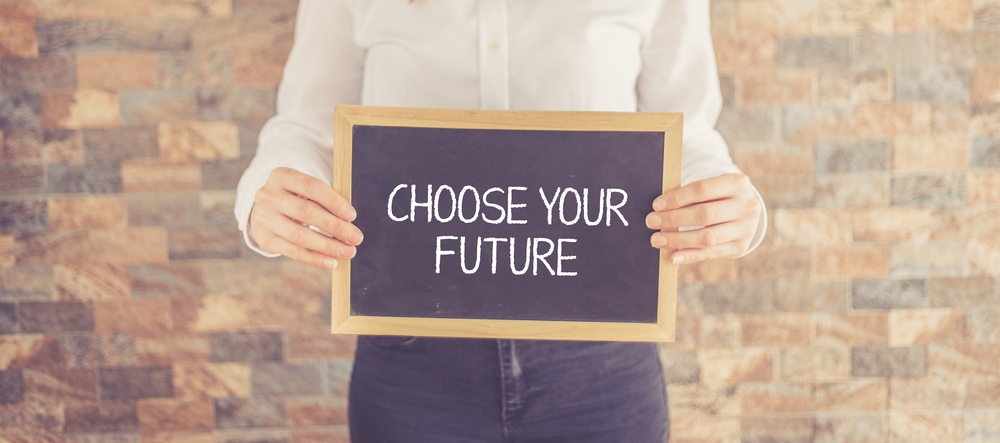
{"points": [[580, 55]]}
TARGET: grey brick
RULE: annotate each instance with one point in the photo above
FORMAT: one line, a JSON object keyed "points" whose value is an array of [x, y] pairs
{"points": [[194, 69], [222, 174], [908, 362], [853, 156], [777, 429], [738, 298], [94, 178], [286, 378], [39, 73], [254, 435], [75, 36], [22, 179], [870, 361], [26, 283], [895, 49], [256, 104], [986, 15], [8, 318], [20, 110], [152, 106], [814, 52], [854, 190], [154, 33], [246, 346], [889, 294], [24, 215], [91, 351], [107, 144], [338, 375], [122, 383], [933, 84], [680, 367], [11, 386], [986, 152], [163, 209], [727, 84], [939, 190], [746, 124], [807, 123], [249, 134], [786, 190], [256, 412], [55, 317], [966, 48]]}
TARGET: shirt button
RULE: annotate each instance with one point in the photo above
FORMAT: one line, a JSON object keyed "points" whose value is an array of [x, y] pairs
{"points": [[494, 46]]}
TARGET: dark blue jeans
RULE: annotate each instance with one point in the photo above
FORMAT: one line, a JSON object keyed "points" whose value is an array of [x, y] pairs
{"points": [[414, 390]]}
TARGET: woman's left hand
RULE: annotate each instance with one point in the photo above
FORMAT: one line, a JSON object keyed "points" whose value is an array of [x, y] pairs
{"points": [[726, 206]]}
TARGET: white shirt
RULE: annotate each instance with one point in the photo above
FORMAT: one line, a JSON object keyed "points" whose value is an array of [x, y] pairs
{"points": [[568, 55]]}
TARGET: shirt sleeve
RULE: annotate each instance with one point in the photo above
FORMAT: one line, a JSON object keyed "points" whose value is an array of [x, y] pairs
{"points": [[679, 75], [324, 68]]}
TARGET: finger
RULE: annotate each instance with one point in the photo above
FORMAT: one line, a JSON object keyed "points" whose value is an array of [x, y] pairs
{"points": [[687, 256], [309, 212], [316, 190], [281, 246], [701, 191], [704, 214], [302, 236], [704, 237]]}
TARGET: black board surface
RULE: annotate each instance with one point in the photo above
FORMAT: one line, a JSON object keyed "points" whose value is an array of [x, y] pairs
{"points": [[609, 271]]}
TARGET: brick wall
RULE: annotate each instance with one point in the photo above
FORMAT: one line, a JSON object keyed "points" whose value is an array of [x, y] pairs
{"points": [[130, 311]]}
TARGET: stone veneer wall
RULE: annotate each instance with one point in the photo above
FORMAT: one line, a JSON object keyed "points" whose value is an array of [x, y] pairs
{"points": [[130, 311]]}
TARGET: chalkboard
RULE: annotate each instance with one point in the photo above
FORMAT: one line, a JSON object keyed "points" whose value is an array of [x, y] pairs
{"points": [[505, 224]]}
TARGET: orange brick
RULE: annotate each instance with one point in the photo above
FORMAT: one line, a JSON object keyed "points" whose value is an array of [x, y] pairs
{"points": [[983, 188], [892, 119], [922, 326], [338, 434], [28, 351], [172, 348], [814, 364], [857, 395], [774, 158], [776, 16], [260, 67], [775, 330], [951, 118], [894, 224], [8, 256], [921, 15], [937, 152], [318, 344], [316, 411], [728, 366], [776, 262], [699, 400], [88, 212], [925, 427], [91, 281], [719, 332], [710, 271], [736, 54], [854, 16], [179, 437], [155, 176], [852, 262], [198, 141], [115, 246], [17, 37], [211, 8], [116, 71], [986, 83], [704, 430], [774, 398], [85, 108], [959, 361], [169, 414], [140, 316], [214, 312], [776, 88], [927, 393], [846, 329], [986, 118], [811, 227], [212, 380]]}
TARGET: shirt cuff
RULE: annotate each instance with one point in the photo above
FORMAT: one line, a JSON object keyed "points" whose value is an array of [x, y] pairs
{"points": [[761, 226]]}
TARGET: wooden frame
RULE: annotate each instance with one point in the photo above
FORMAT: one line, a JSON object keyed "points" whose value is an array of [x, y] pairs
{"points": [[346, 117]]}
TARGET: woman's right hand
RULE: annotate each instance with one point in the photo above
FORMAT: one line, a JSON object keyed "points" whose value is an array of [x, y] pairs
{"points": [[288, 202]]}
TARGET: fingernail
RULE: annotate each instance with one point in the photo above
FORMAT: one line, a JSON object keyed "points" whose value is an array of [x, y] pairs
{"points": [[659, 241], [348, 251], [330, 263], [659, 205], [653, 221], [350, 213], [678, 259], [357, 237]]}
